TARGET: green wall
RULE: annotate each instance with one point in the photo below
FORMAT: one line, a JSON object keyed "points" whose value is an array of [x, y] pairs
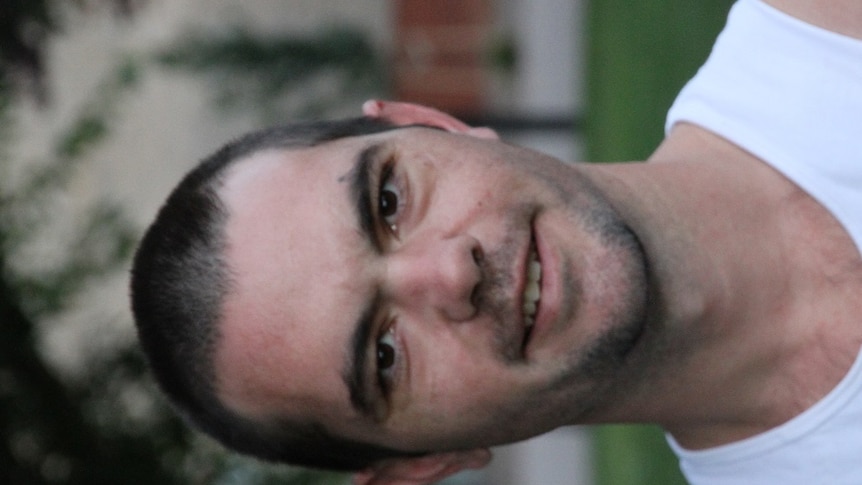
{"points": [[640, 53]]}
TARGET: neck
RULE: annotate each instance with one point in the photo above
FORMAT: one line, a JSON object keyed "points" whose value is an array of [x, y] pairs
{"points": [[741, 300]]}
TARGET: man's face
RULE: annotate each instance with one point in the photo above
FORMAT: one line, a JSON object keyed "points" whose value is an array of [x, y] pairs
{"points": [[380, 285]]}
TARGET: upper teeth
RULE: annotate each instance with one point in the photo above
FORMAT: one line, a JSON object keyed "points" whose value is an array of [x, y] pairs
{"points": [[532, 291]]}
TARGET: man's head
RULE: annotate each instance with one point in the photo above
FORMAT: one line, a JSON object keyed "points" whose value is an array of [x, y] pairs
{"points": [[180, 279], [382, 289]]}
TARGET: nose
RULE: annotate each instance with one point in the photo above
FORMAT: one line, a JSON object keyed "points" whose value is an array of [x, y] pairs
{"points": [[437, 274]]}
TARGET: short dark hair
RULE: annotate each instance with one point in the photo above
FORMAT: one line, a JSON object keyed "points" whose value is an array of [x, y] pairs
{"points": [[178, 283]]}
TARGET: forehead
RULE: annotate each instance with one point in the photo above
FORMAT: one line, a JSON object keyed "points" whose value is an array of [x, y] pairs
{"points": [[294, 253]]}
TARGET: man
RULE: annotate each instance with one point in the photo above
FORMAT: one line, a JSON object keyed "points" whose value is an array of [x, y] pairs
{"points": [[398, 293]]}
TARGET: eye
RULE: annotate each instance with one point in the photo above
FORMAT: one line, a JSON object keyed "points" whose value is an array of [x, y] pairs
{"points": [[389, 199], [386, 357]]}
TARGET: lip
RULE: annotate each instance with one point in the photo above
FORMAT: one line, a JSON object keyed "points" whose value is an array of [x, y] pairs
{"points": [[546, 308], [526, 332]]}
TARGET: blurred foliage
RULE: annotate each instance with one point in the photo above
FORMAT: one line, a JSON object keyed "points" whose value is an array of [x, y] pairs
{"points": [[98, 426], [277, 76], [640, 54], [25, 27], [502, 53], [104, 423]]}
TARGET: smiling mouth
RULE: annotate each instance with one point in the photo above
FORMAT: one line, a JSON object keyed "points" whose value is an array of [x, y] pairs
{"points": [[532, 289]]}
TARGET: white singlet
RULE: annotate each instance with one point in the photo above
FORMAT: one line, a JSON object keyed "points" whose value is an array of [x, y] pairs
{"points": [[791, 94]]}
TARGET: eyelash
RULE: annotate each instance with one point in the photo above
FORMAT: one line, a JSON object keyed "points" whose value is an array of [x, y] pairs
{"points": [[386, 377], [389, 184]]}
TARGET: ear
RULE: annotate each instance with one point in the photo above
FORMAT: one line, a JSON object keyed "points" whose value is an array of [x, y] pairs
{"points": [[422, 470], [411, 114]]}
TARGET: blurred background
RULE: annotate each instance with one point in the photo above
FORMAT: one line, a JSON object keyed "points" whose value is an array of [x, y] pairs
{"points": [[105, 104]]}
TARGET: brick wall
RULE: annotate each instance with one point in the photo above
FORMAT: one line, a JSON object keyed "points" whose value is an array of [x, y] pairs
{"points": [[441, 53]]}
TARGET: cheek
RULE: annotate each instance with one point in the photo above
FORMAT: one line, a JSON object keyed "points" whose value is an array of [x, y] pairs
{"points": [[478, 194], [460, 382]]}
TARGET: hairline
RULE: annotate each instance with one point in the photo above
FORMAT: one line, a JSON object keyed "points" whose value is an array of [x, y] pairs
{"points": [[217, 184], [179, 283]]}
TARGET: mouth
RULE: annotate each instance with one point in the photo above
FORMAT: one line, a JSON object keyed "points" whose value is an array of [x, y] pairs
{"points": [[532, 291]]}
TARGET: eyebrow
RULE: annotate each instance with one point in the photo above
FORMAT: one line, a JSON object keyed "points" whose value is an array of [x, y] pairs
{"points": [[359, 188]]}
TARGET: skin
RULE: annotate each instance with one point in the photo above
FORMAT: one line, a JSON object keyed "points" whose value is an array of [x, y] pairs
{"points": [[762, 306], [454, 315], [841, 16]]}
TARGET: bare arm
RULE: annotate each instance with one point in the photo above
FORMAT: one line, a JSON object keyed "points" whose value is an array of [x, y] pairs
{"points": [[841, 16]]}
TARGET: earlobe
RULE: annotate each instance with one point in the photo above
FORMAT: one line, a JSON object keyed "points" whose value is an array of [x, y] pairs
{"points": [[422, 470], [412, 114]]}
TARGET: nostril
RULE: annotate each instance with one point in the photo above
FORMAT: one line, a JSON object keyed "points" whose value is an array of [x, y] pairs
{"points": [[475, 297], [479, 261], [478, 255]]}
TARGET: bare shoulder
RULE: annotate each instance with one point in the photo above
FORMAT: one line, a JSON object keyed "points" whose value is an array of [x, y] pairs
{"points": [[841, 16]]}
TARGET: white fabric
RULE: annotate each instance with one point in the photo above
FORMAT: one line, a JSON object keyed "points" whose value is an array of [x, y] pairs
{"points": [[791, 94]]}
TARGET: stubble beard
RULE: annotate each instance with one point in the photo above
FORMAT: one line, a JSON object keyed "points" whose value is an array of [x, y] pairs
{"points": [[598, 374], [493, 294], [592, 374]]}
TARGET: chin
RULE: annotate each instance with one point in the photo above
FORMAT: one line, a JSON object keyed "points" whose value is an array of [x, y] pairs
{"points": [[609, 361]]}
